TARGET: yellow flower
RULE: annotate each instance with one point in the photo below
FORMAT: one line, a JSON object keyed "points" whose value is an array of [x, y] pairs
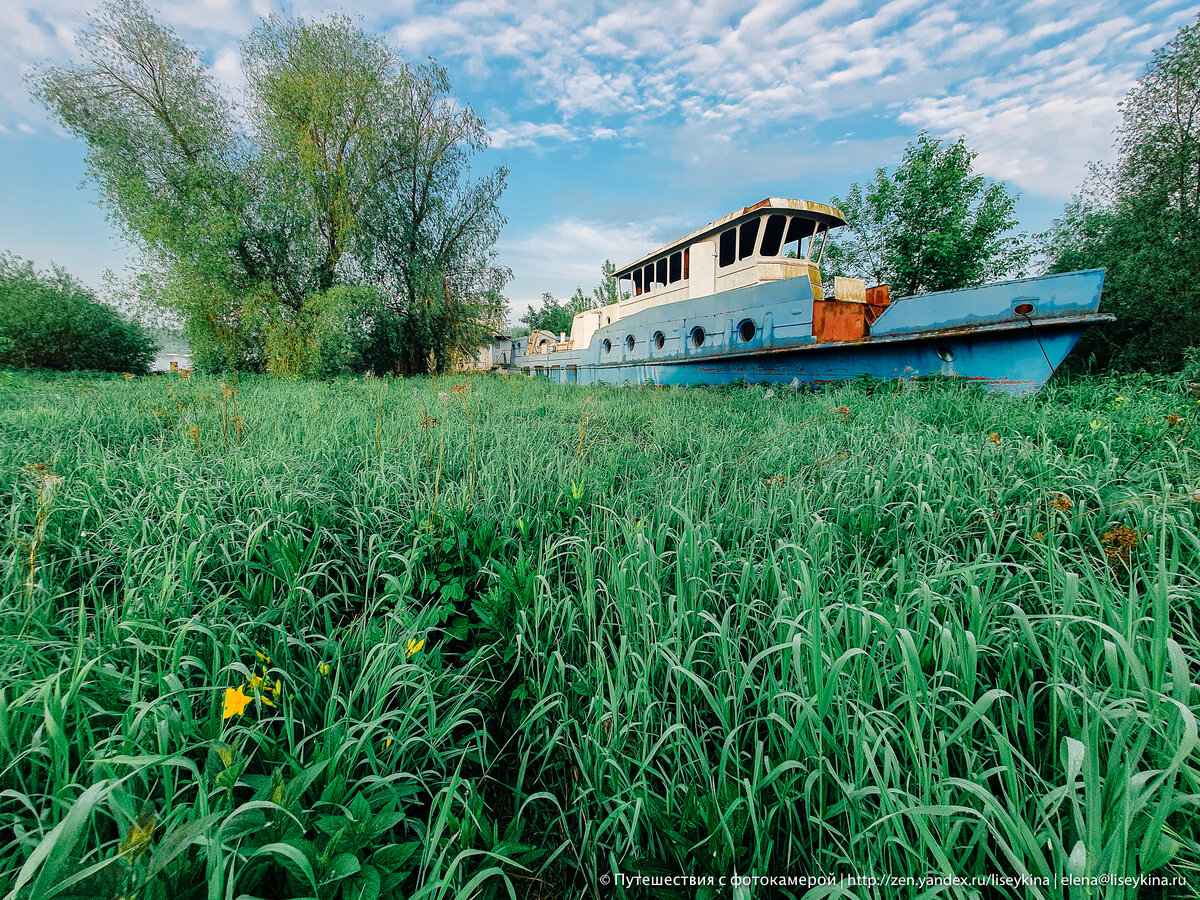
{"points": [[1096, 425], [236, 702], [414, 646], [994, 437], [255, 681], [323, 668], [387, 741], [262, 657], [1119, 400]]}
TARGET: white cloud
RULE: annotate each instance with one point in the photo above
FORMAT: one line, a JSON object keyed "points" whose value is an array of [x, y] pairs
{"points": [[1035, 93], [528, 134], [227, 69], [561, 255], [747, 93]]}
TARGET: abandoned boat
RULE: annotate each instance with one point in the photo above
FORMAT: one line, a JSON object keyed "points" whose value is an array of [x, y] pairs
{"points": [[742, 298]]}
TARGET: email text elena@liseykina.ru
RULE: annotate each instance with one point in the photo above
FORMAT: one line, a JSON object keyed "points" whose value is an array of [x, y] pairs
{"points": [[627, 880]]}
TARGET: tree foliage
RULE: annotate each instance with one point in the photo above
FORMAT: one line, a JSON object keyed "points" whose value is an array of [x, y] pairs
{"points": [[931, 225], [48, 320], [345, 166], [553, 315], [1140, 220]]}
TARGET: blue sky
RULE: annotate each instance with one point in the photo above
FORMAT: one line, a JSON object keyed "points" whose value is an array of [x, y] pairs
{"points": [[626, 125]]}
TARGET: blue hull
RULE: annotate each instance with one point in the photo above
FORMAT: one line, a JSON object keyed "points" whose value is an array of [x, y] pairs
{"points": [[1009, 336]]}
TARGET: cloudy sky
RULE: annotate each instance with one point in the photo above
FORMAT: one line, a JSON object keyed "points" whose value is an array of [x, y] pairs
{"points": [[626, 125]]}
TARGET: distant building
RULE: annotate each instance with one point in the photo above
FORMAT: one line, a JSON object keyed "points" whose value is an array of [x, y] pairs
{"points": [[175, 353], [495, 355]]}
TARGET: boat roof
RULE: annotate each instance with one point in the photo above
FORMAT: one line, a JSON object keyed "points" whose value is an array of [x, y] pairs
{"points": [[829, 216]]}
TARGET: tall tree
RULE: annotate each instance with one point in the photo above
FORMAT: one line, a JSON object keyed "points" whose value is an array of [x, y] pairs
{"points": [[346, 166], [606, 292], [1140, 220], [931, 225]]}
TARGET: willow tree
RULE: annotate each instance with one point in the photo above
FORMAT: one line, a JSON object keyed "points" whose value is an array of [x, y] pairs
{"points": [[428, 237], [259, 210]]}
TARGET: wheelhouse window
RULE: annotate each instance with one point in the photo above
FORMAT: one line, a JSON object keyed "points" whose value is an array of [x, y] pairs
{"points": [[624, 286], [773, 235], [799, 229], [686, 259], [747, 238], [660, 273], [648, 277], [727, 252], [638, 290]]}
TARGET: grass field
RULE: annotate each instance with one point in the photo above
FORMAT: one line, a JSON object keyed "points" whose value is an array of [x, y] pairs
{"points": [[492, 637]]}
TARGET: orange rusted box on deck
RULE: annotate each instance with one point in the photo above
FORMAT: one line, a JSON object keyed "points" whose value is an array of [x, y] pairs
{"points": [[878, 300], [839, 320]]}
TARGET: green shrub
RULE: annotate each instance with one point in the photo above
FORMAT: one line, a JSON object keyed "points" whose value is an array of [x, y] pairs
{"points": [[51, 321]]}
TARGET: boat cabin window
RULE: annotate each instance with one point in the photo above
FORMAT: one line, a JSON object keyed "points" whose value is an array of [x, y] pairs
{"points": [[624, 287], [773, 235], [660, 276], [676, 267], [797, 231], [686, 251], [748, 238], [637, 282], [727, 254]]}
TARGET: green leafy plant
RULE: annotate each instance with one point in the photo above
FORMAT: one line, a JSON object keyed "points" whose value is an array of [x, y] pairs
{"points": [[48, 320]]}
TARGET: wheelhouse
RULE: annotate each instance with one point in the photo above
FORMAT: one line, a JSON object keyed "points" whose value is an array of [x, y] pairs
{"points": [[774, 239]]}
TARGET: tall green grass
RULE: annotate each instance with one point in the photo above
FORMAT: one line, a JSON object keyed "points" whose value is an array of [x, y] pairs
{"points": [[875, 631]]}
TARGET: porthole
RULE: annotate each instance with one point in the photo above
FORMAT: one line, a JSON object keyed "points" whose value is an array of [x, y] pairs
{"points": [[746, 330], [660, 340], [946, 354], [698, 336], [1023, 309], [629, 342], [607, 345]]}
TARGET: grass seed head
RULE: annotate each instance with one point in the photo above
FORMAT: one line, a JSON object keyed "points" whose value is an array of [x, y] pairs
{"points": [[1118, 541], [1061, 502]]}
